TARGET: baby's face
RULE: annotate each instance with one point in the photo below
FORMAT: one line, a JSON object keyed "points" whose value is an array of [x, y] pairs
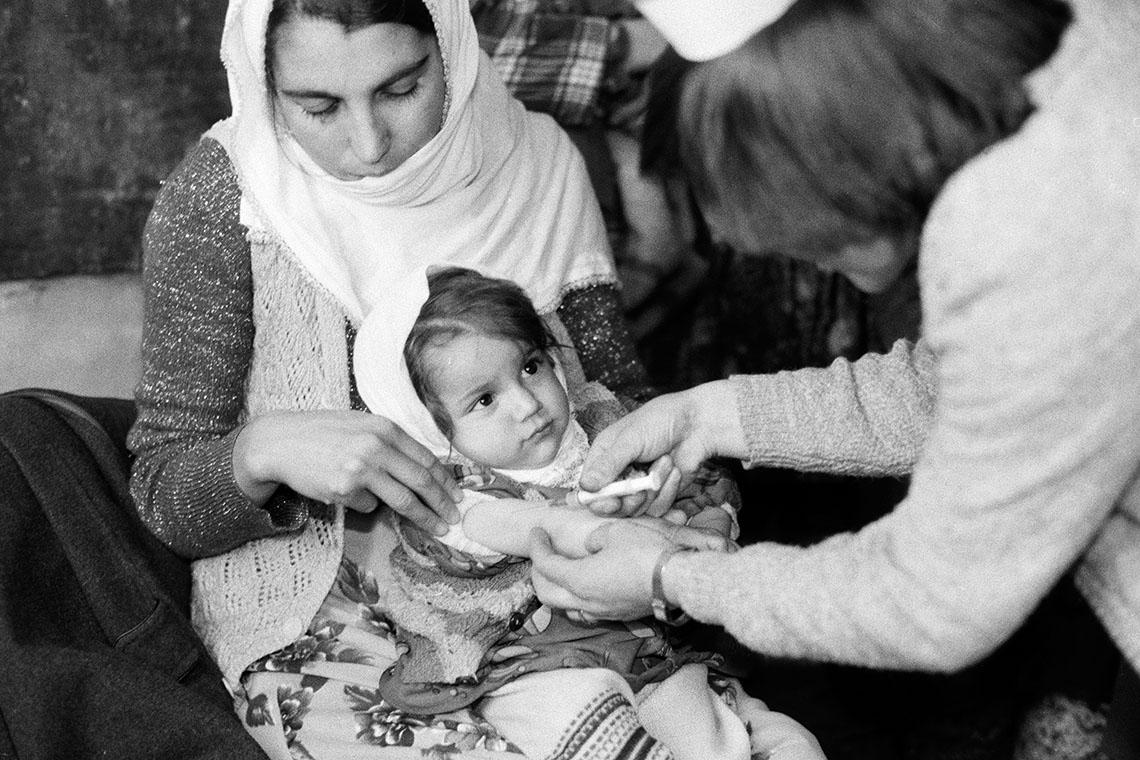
{"points": [[507, 408]]}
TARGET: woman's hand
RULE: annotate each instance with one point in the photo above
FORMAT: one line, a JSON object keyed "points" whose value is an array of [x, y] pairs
{"points": [[353, 459], [686, 428], [615, 582]]}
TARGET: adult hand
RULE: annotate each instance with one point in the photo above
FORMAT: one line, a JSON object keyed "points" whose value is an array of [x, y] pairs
{"points": [[353, 459], [615, 582], [689, 427], [652, 503]]}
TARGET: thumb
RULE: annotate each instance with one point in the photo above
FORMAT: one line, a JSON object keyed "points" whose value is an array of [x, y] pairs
{"points": [[541, 545], [598, 537], [609, 455]]}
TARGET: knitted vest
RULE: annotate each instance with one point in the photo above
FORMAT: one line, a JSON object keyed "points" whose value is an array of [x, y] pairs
{"points": [[262, 595]]}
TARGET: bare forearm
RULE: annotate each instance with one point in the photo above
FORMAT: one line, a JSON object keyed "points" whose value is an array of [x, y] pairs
{"points": [[505, 525]]}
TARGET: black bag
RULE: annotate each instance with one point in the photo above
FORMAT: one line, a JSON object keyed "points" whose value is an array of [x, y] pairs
{"points": [[97, 655]]}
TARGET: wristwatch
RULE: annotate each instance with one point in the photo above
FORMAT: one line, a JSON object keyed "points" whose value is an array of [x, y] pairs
{"points": [[661, 609]]}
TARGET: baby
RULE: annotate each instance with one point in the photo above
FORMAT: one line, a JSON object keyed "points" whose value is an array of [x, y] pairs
{"points": [[471, 371]]}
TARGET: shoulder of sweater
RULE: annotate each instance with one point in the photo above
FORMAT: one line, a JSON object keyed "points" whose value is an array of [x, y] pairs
{"points": [[204, 179], [1069, 178]]}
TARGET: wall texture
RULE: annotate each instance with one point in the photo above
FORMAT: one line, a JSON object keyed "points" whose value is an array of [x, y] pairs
{"points": [[99, 99]]}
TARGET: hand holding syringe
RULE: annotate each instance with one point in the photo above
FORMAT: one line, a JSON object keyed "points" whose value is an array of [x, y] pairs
{"points": [[649, 493], [651, 481]]}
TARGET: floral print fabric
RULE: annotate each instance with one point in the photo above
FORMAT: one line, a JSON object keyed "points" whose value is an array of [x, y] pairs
{"points": [[318, 697]]}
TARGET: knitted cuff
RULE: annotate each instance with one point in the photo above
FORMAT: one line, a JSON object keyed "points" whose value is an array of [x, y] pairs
{"points": [[769, 429]]}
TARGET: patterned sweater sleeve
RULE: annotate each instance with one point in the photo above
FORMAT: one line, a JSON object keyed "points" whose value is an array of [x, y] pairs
{"points": [[593, 317], [197, 343]]}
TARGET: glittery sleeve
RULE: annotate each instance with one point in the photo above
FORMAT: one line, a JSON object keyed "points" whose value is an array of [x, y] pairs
{"points": [[197, 343], [594, 320]]}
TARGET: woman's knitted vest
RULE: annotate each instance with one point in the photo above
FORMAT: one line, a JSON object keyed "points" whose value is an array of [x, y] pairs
{"points": [[262, 595]]}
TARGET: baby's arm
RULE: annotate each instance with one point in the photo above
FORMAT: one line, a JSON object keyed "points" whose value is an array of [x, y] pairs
{"points": [[505, 525]]}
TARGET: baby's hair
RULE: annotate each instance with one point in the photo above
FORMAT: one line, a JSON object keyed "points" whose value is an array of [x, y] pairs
{"points": [[464, 302]]}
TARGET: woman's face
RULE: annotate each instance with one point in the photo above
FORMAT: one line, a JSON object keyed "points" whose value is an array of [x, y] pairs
{"points": [[360, 103], [871, 266]]}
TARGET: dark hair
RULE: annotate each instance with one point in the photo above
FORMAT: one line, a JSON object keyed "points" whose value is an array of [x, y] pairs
{"points": [[842, 120], [463, 302], [350, 14]]}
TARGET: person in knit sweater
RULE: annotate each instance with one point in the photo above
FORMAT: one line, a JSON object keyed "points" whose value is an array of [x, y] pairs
{"points": [[1006, 136], [494, 402], [366, 139]]}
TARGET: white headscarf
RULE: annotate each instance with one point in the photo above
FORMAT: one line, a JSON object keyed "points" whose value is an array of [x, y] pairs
{"points": [[499, 188]]}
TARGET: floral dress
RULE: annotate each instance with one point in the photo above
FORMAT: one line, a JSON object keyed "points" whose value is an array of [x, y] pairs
{"points": [[323, 695], [322, 691]]}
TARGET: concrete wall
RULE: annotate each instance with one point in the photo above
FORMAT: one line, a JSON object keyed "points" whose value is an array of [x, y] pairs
{"points": [[99, 99]]}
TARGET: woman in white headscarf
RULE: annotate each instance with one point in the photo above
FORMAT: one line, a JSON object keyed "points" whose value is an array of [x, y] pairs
{"points": [[366, 138]]}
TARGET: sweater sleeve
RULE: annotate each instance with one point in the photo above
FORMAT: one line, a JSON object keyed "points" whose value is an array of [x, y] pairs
{"points": [[1029, 275], [867, 417], [596, 323], [197, 343]]}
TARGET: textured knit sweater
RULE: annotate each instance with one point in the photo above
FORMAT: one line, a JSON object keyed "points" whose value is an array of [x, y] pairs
{"points": [[234, 327], [1018, 414]]}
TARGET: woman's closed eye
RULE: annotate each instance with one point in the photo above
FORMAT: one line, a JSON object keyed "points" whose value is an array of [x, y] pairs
{"points": [[320, 109], [403, 89], [326, 108]]}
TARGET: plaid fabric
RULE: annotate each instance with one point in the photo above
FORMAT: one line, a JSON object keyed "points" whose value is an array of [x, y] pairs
{"points": [[550, 58]]}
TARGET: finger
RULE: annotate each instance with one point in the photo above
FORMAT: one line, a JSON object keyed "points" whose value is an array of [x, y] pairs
{"points": [[598, 538], [361, 501], [411, 486], [548, 572], [634, 504], [443, 477], [699, 538], [404, 501], [664, 498], [609, 455], [411, 461], [610, 505]]}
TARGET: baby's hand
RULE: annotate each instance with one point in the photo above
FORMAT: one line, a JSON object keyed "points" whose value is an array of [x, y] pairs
{"points": [[716, 519]]}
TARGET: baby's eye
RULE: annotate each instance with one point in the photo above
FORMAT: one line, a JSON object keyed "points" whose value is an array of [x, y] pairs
{"points": [[531, 366], [485, 400]]}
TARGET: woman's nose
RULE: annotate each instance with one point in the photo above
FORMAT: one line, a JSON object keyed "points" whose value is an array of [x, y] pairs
{"points": [[369, 137]]}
